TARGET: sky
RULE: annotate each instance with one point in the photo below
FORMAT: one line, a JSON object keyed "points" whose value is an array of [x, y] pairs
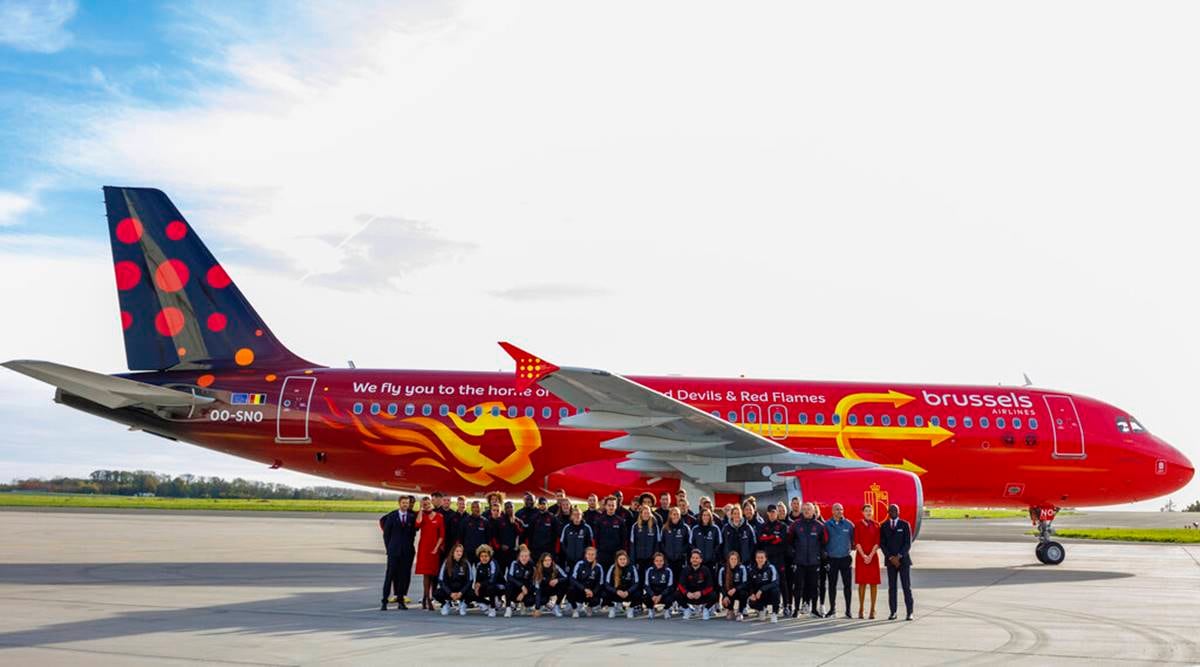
{"points": [[926, 192]]}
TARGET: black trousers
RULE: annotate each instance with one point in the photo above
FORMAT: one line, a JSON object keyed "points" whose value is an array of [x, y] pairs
{"points": [[781, 568], [444, 596], [488, 594], [728, 601], [545, 593], [634, 600], [903, 571], [792, 575], [808, 576], [666, 598], [398, 575], [769, 598], [822, 578], [576, 596], [704, 600], [839, 567]]}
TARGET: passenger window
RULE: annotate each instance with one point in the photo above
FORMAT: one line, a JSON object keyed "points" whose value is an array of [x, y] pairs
{"points": [[1016, 422], [374, 408], [837, 419], [732, 417], [478, 410], [409, 409], [512, 411], [427, 409], [983, 422], [1033, 423], [885, 420], [529, 412], [918, 421], [821, 418], [443, 410], [902, 420], [358, 408], [934, 421], [777, 417], [869, 420], [716, 413], [393, 409], [999, 422], [852, 419], [461, 410], [547, 412], [495, 410], [968, 422], [951, 422], [803, 418], [563, 413], [752, 417]]}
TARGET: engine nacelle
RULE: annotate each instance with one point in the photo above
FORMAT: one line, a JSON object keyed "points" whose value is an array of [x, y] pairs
{"points": [[853, 488]]}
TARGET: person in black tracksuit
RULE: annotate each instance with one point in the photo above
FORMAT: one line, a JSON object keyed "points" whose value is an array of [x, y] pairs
{"points": [[622, 586], [575, 537], [506, 535], [528, 510], [518, 583], [664, 508], [707, 539], [551, 583], [475, 530], [697, 587], [806, 538], [676, 541], [790, 574], [658, 586], [542, 530], [593, 510], [644, 538], [611, 533], [740, 535], [587, 580], [489, 580], [734, 585], [454, 582], [399, 529], [764, 586], [772, 538], [823, 572]]}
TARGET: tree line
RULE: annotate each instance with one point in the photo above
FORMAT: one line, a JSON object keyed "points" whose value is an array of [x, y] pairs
{"points": [[133, 482]]}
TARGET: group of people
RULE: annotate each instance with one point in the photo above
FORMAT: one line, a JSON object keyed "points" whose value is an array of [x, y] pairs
{"points": [[658, 559]]}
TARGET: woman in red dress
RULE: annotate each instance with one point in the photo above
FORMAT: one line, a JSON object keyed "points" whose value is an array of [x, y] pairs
{"points": [[866, 557], [429, 548]]}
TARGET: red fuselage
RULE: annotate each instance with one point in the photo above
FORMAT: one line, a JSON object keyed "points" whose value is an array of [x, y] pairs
{"points": [[468, 433]]}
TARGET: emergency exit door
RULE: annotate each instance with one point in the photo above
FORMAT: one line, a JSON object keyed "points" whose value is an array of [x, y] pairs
{"points": [[291, 424], [1068, 431]]}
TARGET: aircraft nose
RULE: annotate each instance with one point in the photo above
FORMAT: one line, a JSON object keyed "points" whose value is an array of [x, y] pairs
{"points": [[1173, 466]]}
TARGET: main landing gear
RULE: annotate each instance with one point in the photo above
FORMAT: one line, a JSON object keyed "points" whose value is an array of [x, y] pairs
{"points": [[1048, 551]]}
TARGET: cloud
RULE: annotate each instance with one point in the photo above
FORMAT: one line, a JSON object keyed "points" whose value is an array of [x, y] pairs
{"points": [[549, 292], [381, 251], [38, 26], [12, 206]]}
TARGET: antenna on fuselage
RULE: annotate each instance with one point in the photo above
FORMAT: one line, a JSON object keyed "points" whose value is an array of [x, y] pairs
{"points": [[1028, 382], [350, 363]]}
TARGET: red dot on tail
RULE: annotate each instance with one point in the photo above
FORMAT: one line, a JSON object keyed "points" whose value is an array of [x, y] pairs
{"points": [[129, 230], [126, 319], [176, 230], [217, 322], [217, 277], [171, 275], [128, 274], [169, 321]]}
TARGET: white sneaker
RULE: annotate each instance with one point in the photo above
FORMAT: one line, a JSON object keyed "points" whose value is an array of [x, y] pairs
{"points": [[446, 609], [666, 613], [687, 614], [462, 609], [587, 610], [650, 614], [612, 611], [804, 609], [508, 612], [707, 613], [740, 616], [575, 614], [629, 613], [557, 610], [521, 610], [491, 613], [774, 617]]}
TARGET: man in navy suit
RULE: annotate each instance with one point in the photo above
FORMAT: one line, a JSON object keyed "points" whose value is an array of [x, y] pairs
{"points": [[895, 539], [399, 529]]}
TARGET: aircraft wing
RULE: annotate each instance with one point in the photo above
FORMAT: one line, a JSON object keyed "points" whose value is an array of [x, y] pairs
{"points": [[664, 436], [107, 390]]}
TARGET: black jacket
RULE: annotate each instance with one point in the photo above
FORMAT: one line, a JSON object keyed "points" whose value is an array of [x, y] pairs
{"points": [[742, 539], [541, 534], [658, 580], [610, 534], [507, 534], [896, 541], [519, 575], [694, 579], [398, 538], [473, 532], [587, 576], [764, 579], [643, 540], [589, 517], [488, 575], [676, 541], [741, 579], [574, 540], [708, 540], [629, 581], [772, 538], [806, 539], [458, 580]]}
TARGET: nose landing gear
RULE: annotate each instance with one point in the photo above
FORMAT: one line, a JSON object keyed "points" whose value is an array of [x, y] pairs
{"points": [[1048, 551]]}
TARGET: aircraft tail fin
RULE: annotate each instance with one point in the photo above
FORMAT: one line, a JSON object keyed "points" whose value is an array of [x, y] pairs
{"points": [[179, 309]]}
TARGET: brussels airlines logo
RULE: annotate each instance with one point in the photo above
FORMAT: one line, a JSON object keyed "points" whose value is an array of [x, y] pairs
{"points": [[1009, 400]]}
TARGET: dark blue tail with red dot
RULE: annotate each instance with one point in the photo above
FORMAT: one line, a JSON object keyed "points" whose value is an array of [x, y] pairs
{"points": [[179, 309]]}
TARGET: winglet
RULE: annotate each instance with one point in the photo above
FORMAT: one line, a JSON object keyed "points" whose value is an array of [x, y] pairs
{"points": [[530, 368]]}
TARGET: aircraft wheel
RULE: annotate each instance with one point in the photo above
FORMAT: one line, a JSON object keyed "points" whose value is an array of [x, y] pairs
{"points": [[1054, 553], [1040, 552]]}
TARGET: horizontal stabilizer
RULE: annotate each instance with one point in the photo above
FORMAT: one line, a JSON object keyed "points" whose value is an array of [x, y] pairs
{"points": [[107, 390]]}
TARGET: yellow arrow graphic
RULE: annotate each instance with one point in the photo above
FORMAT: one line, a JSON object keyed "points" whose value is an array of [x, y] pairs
{"points": [[907, 465]]}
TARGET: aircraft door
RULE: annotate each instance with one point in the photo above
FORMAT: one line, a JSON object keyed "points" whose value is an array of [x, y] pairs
{"points": [[1068, 430], [752, 418], [295, 396]]}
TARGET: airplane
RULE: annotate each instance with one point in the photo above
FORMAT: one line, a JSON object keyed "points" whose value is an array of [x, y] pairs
{"points": [[206, 370]]}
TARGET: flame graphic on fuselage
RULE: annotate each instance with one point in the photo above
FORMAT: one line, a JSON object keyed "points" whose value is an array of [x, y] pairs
{"points": [[465, 459]]}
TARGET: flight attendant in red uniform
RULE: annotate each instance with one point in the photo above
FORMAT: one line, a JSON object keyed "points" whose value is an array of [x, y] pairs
{"points": [[429, 548], [866, 557]]}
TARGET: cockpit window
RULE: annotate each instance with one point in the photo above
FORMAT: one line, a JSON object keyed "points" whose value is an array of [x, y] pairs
{"points": [[1135, 426], [1129, 425], [1122, 425]]}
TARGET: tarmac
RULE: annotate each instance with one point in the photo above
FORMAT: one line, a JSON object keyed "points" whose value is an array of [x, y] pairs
{"points": [[161, 588]]}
